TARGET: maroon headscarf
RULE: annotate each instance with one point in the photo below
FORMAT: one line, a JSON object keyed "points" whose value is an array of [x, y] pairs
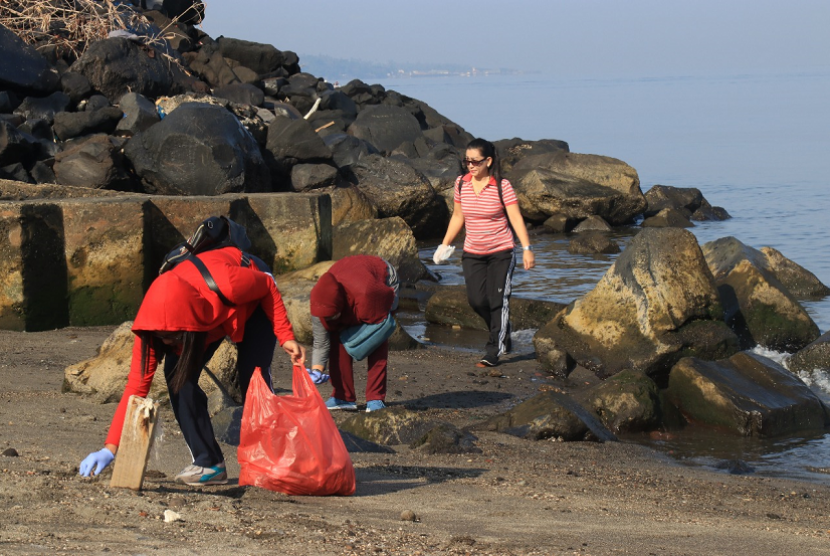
{"points": [[327, 297]]}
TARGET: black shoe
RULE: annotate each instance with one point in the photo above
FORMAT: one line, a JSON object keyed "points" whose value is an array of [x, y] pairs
{"points": [[488, 361]]}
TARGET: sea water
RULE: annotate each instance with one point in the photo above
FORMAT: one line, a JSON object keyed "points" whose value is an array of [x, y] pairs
{"points": [[754, 144]]}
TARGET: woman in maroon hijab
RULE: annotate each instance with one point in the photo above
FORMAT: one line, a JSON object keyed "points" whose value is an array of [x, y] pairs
{"points": [[361, 289]]}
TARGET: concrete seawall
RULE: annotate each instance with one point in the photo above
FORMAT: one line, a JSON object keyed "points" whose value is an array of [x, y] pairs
{"points": [[85, 257]]}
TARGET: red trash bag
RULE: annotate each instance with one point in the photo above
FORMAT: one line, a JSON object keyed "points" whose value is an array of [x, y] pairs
{"points": [[290, 444]]}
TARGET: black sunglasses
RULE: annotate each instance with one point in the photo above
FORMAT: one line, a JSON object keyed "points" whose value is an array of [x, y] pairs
{"points": [[469, 162]]}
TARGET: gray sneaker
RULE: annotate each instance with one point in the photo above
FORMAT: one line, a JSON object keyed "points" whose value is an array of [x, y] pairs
{"points": [[196, 476]]}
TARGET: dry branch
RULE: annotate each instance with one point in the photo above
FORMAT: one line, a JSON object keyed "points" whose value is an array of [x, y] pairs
{"points": [[72, 25]]}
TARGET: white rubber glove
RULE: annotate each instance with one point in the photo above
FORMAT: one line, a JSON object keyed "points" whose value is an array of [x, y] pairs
{"points": [[442, 253]]}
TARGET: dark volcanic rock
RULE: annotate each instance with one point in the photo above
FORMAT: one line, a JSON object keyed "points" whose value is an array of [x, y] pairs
{"points": [[22, 68], [76, 86], [688, 200], [305, 177], [8, 102], [398, 189], [385, 127], [95, 102], [513, 150], [295, 139], [14, 145], [198, 149], [43, 108], [262, 58], [241, 93], [118, 66], [347, 150], [74, 124], [95, 162], [139, 113]]}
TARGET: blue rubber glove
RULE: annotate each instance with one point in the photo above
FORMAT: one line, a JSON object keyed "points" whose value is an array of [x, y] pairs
{"points": [[96, 460], [318, 377]]}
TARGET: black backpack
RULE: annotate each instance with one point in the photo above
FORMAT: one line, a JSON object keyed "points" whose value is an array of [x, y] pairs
{"points": [[213, 233]]}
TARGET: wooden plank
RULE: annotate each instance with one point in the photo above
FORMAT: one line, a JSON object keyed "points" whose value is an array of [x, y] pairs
{"points": [[136, 441]]}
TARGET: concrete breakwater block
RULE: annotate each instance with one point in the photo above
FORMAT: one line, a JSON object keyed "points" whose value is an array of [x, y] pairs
{"points": [[104, 251], [88, 261]]}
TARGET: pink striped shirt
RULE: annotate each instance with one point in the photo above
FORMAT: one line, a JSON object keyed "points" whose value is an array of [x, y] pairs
{"points": [[487, 227]]}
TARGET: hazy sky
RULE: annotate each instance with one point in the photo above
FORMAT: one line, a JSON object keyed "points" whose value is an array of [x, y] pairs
{"points": [[578, 37]]}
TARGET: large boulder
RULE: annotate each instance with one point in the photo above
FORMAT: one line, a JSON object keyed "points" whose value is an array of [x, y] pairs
{"points": [[757, 305], [578, 186], [291, 141], [74, 124], [511, 151], [14, 145], [656, 304], [394, 425], [668, 218], [262, 58], [549, 415], [385, 127], [388, 238], [199, 149], [241, 93], [800, 282], [746, 394], [688, 200], [543, 193], [118, 66], [307, 177], [22, 68], [449, 306], [347, 150], [96, 162], [625, 403], [441, 166], [349, 204], [813, 357], [43, 108], [139, 114], [398, 189], [592, 243]]}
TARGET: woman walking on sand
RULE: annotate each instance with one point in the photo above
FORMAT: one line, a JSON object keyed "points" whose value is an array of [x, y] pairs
{"points": [[486, 205], [183, 320]]}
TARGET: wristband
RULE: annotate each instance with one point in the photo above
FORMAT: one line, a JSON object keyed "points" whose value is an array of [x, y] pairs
{"points": [[527, 248]]}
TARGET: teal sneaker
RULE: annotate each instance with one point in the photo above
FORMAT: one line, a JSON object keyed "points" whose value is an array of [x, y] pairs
{"points": [[374, 405], [335, 404], [194, 475]]}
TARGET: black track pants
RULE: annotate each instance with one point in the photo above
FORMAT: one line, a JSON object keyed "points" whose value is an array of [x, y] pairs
{"points": [[489, 282], [190, 404]]}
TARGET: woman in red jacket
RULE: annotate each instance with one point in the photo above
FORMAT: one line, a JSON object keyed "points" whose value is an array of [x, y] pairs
{"points": [[183, 321], [361, 289]]}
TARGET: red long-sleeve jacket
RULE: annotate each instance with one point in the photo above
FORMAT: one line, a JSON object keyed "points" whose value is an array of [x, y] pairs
{"points": [[180, 300]]}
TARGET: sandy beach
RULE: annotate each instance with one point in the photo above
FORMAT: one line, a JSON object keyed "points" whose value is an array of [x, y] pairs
{"points": [[516, 497]]}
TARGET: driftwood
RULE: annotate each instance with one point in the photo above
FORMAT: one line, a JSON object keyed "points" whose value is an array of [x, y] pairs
{"points": [[136, 441]]}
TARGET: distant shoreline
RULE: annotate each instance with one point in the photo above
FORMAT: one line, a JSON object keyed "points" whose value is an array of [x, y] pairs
{"points": [[345, 70]]}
